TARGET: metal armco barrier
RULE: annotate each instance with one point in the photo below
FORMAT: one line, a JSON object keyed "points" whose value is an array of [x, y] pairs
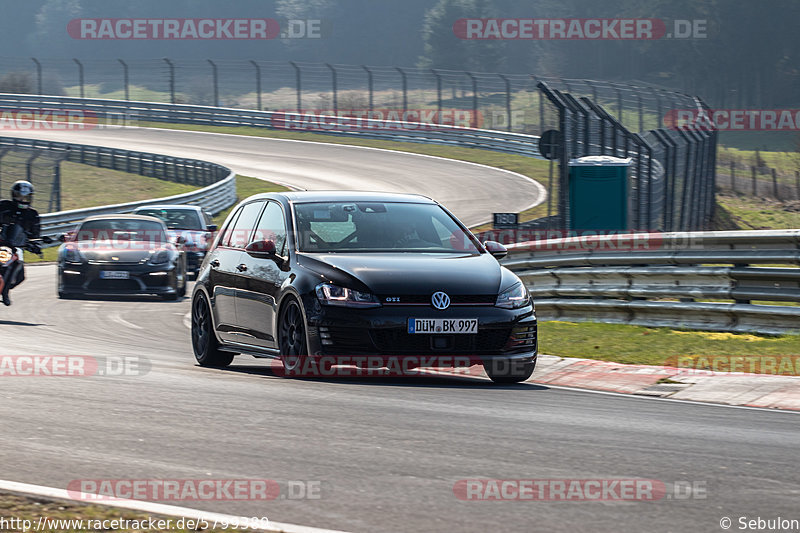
{"points": [[667, 279], [217, 192], [119, 112]]}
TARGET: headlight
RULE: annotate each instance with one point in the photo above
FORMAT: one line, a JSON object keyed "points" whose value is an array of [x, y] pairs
{"points": [[72, 255], [159, 258], [5, 255], [334, 295], [514, 298]]}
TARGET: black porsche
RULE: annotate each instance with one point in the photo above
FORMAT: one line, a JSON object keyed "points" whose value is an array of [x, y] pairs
{"points": [[299, 276]]}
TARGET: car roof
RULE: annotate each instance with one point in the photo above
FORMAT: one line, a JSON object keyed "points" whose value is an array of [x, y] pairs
{"points": [[123, 217], [170, 206], [345, 196]]}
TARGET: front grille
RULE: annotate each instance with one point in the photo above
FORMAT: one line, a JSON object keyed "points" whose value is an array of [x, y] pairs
{"points": [[455, 299], [114, 285], [397, 340]]}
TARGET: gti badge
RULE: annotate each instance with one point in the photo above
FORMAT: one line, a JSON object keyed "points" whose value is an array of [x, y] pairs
{"points": [[440, 300]]}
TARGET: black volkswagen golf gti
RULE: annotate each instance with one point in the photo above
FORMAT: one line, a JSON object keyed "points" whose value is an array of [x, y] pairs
{"points": [[307, 276]]}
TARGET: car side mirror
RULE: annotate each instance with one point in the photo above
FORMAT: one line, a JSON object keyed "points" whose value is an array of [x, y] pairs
{"points": [[47, 240], [180, 240], [212, 227], [64, 237], [263, 250], [497, 250]]}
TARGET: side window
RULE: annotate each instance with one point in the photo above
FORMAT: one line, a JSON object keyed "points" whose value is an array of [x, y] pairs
{"points": [[272, 227], [239, 236], [225, 236]]}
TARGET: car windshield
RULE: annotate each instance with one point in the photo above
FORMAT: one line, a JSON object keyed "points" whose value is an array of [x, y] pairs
{"points": [[118, 229], [175, 218], [379, 227]]}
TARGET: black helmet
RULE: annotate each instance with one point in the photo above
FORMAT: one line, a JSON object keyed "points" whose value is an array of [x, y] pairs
{"points": [[22, 192]]}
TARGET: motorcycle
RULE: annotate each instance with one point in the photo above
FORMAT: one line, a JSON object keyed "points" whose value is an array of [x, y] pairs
{"points": [[12, 243]]}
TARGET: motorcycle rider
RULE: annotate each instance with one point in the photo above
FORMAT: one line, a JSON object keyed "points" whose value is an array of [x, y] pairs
{"points": [[18, 211]]}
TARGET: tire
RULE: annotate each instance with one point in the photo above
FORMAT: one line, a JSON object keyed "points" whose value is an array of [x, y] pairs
{"points": [[204, 342], [292, 338], [507, 371]]}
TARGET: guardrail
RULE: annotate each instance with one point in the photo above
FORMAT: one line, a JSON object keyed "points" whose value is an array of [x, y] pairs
{"points": [[122, 112], [667, 279], [218, 182]]}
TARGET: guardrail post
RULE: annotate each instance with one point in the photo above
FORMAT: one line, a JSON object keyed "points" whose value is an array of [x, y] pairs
{"points": [[370, 87], [508, 100], [125, 78], [215, 81], [80, 74], [405, 87], [298, 86], [258, 84], [474, 121], [38, 75], [335, 88], [171, 66]]}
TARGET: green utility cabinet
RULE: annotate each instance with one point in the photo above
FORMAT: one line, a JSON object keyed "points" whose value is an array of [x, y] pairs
{"points": [[598, 193]]}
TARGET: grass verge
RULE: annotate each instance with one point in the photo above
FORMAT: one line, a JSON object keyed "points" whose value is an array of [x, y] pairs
{"points": [[747, 212], [622, 343]]}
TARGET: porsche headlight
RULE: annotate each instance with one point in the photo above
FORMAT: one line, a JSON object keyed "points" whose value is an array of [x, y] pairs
{"points": [[6, 254], [331, 294], [514, 298], [160, 257], [72, 255]]}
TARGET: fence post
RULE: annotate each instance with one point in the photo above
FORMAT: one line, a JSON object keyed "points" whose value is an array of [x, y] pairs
{"points": [[775, 184], [370, 86], [755, 185], [29, 165], [171, 79], [474, 121], [508, 100], [38, 75], [733, 176], [298, 85], [80, 74], [335, 88], [258, 83], [797, 182], [619, 105], [125, 78], [405, 88], [438, 94], [215, 80]]}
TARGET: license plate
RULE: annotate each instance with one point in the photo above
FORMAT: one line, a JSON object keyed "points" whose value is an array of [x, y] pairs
{"points": [[442, 325], [114, 274]]}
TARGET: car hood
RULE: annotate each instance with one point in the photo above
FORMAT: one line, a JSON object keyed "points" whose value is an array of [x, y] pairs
{"points": [[122, 252], [410, 273]]}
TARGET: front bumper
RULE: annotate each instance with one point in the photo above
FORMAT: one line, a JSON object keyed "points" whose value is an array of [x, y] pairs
{"points": [[84, 278], [502, 333]]}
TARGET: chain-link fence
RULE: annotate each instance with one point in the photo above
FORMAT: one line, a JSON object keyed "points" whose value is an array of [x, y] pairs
{"points": [[40, 167], [508, 102], [672, 173]]}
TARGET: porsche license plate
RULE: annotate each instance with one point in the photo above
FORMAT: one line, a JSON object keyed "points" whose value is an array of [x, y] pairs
{"points": [[442, 325], [114, 274]]}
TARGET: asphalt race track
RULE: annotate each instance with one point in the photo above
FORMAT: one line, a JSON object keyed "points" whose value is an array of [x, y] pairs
{"points": [[472, 192], [386, 452]]}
